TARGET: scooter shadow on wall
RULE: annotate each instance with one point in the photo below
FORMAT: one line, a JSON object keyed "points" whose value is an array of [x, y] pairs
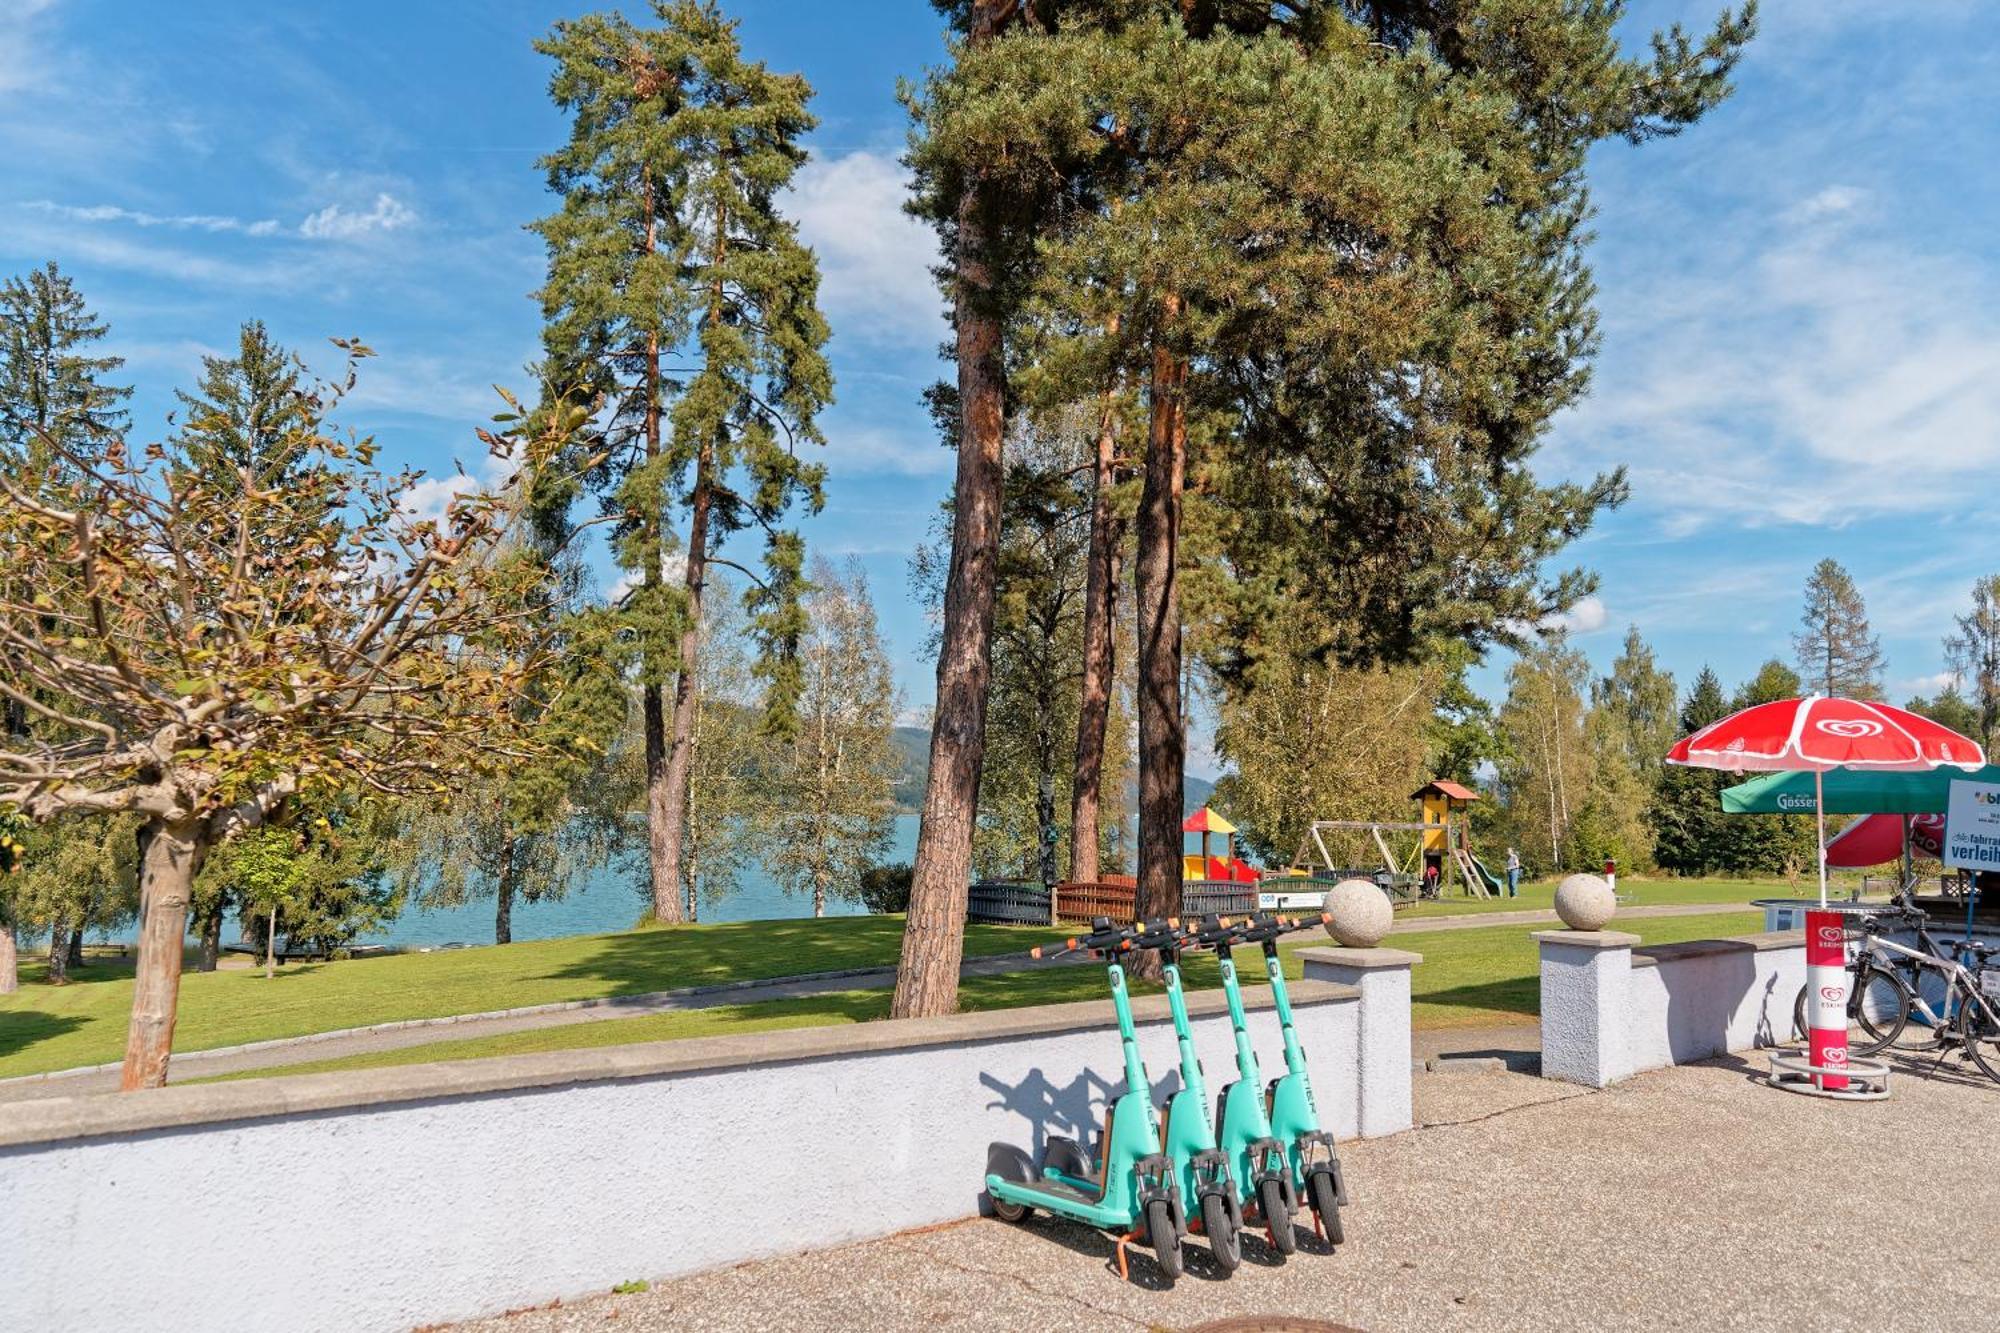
{"points": [[1074, 1111]]}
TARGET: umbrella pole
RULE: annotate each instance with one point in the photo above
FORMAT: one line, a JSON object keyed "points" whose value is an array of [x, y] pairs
{"points": [[1819, 814]]}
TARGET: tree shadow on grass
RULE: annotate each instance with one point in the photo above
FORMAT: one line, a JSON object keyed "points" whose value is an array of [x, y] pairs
{"points": [[1511, 995], [660, 958], [657, 958], [23, 1028]]}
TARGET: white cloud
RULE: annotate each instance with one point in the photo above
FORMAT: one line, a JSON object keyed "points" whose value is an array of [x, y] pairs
{"points": [[673, 570], [23, 63], [1586, 617], [209, 222], [1931, 684], [339, 224], [875, 259], [1834, 199]]}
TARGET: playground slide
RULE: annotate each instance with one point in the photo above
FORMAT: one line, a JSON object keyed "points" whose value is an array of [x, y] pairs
{"points": [[1494, 885]]}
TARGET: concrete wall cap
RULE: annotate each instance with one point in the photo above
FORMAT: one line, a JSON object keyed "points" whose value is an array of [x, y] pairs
{"points": [[1588, 939], [186, 1105], [1361, 958], [1762, 942]]}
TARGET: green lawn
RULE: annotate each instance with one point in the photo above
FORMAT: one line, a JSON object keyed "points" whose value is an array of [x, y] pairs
{"points": [[1468, 978], [47, 1027]]}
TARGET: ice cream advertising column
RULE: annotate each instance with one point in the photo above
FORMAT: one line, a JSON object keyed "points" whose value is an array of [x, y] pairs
{"points": [[1826, 989]]}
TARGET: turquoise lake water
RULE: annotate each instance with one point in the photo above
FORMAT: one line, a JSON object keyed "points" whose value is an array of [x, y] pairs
{"points": [[610, 901]]}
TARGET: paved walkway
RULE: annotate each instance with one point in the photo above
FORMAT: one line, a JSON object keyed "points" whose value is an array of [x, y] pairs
{"points": [[1684, 1198], [366, 1041]]}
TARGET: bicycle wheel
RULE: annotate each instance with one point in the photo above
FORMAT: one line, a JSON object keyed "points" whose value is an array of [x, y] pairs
{"points": [[1878, 1008], [1981, 1035]]}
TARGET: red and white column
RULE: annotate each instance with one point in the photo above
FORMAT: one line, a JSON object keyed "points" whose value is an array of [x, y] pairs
{"points": [[1826, 995]]}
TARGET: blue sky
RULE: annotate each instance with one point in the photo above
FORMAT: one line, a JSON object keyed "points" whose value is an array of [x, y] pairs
{"points": [[1801, 351]]}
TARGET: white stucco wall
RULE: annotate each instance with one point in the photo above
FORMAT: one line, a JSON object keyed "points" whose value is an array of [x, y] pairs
{"points": [[1610, 1011], [392, 1215]]}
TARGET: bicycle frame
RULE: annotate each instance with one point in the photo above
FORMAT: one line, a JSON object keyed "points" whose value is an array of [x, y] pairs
{"points": [[1960, 981]]}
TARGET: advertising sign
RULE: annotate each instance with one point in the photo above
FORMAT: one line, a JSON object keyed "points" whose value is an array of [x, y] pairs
{"points": [[1972, 826]]}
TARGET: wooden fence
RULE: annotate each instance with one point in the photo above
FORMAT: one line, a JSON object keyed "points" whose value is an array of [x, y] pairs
{"points": [[1014, 903]]}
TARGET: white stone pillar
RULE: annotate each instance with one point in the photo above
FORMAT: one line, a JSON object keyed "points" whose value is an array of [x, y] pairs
{"points": [[1382, 1064], [1586, 980]]}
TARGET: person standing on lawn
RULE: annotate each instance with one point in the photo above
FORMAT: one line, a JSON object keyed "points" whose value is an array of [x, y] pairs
{"points": [[1513, 873]]}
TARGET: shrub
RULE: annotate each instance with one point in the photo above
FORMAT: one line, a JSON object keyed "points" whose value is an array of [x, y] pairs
{"points": [[886, 889]]}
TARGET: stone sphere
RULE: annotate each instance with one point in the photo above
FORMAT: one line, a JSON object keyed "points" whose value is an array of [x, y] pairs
{"points": [[1361, 913], [1585, 902]]}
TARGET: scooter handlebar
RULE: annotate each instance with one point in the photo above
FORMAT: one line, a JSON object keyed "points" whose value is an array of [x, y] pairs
{"points": [[1104, 937]]}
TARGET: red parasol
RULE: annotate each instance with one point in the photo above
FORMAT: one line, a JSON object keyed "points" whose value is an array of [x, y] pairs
{"points": [[1821, 732]]}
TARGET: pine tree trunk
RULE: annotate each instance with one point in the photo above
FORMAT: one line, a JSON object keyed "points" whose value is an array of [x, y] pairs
{"points": [[1100, 608], [59, 952], [662, 815], [1162, 729], [933, 934], [503, 893], [166, 878], [210, 950], [10, 960], [680, 744]]}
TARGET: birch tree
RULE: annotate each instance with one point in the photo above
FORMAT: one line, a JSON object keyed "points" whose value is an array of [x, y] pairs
{"points": [[834, 782]]}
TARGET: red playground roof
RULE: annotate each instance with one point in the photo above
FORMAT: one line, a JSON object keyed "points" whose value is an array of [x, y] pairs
{"points": [[1206, 820], [1447, 789]]}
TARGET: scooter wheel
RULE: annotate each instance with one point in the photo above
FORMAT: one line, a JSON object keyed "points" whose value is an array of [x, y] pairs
{"points": [[1326, 1202], [1009, 1212], [1165, 1237], [1223, 1242], [1277, 1217]]}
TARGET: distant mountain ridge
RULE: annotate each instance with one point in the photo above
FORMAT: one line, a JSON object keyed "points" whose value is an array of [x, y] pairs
{"points": [[914, 747]]}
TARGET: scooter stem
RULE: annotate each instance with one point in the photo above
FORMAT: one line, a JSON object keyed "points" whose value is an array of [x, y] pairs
{"points": [[1177, 1005], [1295, 1056], [1135, 1069], [1246, 1058]]}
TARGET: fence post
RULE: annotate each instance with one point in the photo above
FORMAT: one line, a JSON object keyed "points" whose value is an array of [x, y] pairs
{"points": [[1586, 984], [1382, 1048]]}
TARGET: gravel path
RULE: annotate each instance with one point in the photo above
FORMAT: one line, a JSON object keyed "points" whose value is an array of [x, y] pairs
{"points": [[1675, 1200]]}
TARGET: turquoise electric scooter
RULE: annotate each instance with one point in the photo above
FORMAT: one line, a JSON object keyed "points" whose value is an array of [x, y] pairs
{"points": [[1190, 1135], [1132, 1190], [1257, 1158], [1316, 1174]]}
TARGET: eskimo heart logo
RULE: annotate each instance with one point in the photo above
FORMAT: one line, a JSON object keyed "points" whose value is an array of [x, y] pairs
{"points": [[1851, 728]]}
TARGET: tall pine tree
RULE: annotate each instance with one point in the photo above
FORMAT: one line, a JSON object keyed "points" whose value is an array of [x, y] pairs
{"points": [[1689, 837], [678, 293], [51, 387], [245, 409], [1836, 652]]}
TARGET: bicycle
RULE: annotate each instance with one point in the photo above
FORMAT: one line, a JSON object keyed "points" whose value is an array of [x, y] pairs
{"points": [[1880, 1001]]}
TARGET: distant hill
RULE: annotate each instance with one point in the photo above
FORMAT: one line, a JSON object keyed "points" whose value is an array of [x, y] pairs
{"points": [[914, 743]]}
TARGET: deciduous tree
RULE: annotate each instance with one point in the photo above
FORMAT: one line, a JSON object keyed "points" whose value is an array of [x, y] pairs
{"points": [[834, 804], [1973, 650], [198, 654]]}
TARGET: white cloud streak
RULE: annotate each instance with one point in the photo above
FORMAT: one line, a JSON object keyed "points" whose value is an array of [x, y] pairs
{"points": [[208, 222], [1825, 379]]}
